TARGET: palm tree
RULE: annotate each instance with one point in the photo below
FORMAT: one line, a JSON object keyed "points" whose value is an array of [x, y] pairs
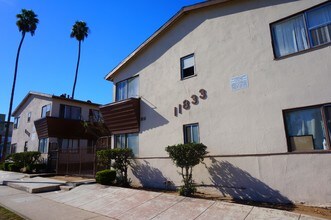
{"points": [[27, 23], [80, 32]]}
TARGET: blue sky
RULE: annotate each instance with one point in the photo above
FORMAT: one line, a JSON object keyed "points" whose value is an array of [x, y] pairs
{"points": [[48, 59]]}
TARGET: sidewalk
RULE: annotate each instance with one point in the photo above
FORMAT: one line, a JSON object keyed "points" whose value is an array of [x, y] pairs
{"points": [[96, 202]]}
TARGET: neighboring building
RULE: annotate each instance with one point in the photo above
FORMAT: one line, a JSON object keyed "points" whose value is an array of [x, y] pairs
{"points": [[250, 80], [62, 129], [3, 133]]}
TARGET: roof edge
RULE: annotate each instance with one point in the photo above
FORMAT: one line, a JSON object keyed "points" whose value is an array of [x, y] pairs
{"points": [[30, 93], [186, 9]]}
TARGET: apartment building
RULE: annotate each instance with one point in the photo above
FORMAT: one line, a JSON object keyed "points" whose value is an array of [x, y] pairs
{"points": [[250, 79], [64, 130]]}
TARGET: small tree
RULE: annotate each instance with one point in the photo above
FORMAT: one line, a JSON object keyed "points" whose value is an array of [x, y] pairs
{"points": [[121, 157], [186, 156]]}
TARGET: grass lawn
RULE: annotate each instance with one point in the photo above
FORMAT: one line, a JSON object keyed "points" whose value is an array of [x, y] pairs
{"points": [[5, 214]]}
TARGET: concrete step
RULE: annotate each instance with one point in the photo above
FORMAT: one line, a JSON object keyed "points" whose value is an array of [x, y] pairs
{"points": [[35, 185]]}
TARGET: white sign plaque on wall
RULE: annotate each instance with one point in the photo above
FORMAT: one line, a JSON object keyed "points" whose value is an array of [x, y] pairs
{"points": [[239, 82]]}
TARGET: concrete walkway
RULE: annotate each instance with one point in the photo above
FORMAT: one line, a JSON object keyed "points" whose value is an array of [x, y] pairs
{"points": [[95, 201]]}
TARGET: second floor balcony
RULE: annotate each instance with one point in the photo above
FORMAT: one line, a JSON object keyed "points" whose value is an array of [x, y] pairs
{"points": [[122, 116]]}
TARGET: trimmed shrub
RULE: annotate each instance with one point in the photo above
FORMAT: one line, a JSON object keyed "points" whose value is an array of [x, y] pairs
{"points": [[2, 166], [121, 157], [24, 159], [105, 177], [6, 166], [14, 168], [186, 156]]}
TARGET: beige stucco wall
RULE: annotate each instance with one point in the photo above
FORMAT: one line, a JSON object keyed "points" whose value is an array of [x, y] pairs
{"points": [[231, 40], [34, 105]]}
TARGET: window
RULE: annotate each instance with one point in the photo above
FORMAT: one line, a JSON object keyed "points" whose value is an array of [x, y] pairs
{"points": [[29, 117], [306, 30], [191, 133], [127, 89], [128, 141], [16, 122], [187, 66], [90, 146], [46, 111], [13, 148], [70, 112], [69, 145], [25, 146], [94, 115], [308, 129], [43, 145]]}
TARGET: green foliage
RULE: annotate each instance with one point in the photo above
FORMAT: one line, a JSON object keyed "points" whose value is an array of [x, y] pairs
{"points": [[79, 30], [13, 167], [24, 159], [6, 166], [186, 156], [121, 158], [105, 177], [27, 21], [103, 158], [2, 166]]}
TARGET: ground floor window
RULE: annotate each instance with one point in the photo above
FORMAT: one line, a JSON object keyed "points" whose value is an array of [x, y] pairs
{"points": [[308, 128], [13, 148], [69, 145], [191, 133], [128, 141], [43, 145]]}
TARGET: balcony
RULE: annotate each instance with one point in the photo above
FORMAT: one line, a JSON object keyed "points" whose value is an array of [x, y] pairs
{"points": [[69, 129], [122, 116]]}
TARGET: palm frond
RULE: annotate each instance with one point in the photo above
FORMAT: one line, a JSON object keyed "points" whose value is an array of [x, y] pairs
{"points": [[27, 21]]}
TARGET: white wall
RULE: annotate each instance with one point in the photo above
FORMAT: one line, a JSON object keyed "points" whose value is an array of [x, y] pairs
{"points": [[34, 105], [230, 40]]}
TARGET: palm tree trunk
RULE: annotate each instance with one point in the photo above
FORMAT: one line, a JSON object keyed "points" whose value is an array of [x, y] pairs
{"points": [[73, 89], [7, 125]]}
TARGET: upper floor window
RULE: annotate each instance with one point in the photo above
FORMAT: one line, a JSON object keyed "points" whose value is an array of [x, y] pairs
{"points": [[13, 148], [16, 122], [191, 133], [308, 29], [46, 111], [70, 112], [187, 66], [128, 88], [308, 128], [28, 117], [94, 115]]}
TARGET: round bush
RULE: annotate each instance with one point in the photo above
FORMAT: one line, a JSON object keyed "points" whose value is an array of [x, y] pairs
{"points": [[14, 168], [105, 177]]}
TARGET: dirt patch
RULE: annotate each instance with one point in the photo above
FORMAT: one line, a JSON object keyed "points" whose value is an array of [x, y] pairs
{"points": [[296, 208], [70, 179]]}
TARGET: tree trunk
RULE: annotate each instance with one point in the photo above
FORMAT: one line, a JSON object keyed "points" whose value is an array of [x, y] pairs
{"points": [[74, 87], [7, 125]]}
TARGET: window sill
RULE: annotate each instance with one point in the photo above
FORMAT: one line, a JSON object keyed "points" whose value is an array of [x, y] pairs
{"points": [[302, 51], [188, 77]]}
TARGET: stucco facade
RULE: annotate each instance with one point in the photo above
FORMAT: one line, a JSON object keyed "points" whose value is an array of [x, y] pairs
{"points": [[244, 130], [25, 133]]}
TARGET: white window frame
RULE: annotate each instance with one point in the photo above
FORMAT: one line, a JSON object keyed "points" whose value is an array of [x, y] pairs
{"points": [[182, 67]]}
